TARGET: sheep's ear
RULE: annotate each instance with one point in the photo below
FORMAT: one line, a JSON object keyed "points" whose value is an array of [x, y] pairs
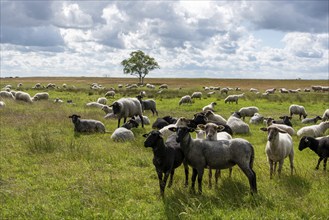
{"points": [[220, 128], [201, 126], [173, 129], [263, 129], [306, 140], [281, 131]]}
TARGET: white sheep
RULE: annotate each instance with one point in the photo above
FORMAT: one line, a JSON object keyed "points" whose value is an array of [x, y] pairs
{"points": [[6, 95], [210, 107], [58, 100], [284, 127], [102, 100], [211, 116], [256, 119], [196, 95], [2, 104], [163, 86], [231, 98], [313, 130], [41, 96], [110, 116], [110, 94], [95, 104], [253, 90], [107, 109], [146, 120], [237, 125], [248, 111], [185, 100], [122, 134], [181, 122], [297, 110], [325, 115], [279, 145], [23, 96]]}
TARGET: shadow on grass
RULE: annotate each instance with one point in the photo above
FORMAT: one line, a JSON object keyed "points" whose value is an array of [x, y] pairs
{"points": [[296, 186]]}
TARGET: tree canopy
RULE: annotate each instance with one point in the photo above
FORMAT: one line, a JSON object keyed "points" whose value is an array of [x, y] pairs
{"points": [[139, 64]]}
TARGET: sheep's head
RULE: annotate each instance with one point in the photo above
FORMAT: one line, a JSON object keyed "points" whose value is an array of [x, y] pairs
{"points": [[152, 138], [304, 143], [272, 132], [211, 129], [75, 118], [116, 107], [181, 132]]}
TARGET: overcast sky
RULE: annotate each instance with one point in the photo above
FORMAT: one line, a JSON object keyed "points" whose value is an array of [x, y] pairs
{"points": [[213, 39]]}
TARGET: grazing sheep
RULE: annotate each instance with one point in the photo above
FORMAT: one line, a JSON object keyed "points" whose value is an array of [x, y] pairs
{"points": [[40, 96], [149, 104], [256, 119], [325, 115], [297, 110], [196, 95], [284, 90], [248, 111], [210, 107], [185, 100], [87, 125], [107, 109], [279, 146], [6, 95], [224, 90], [95, 104], [2, 104], [163, 86], [237, 125], [270, 91], [102, 100], [320, 147], [313, 130], [23, 96], [146, 120], [215, 117], [253, 90], [127, 107], [231, 98], [220, 154], [150, 86], [167, 156], [110, 94], [311, 120]]}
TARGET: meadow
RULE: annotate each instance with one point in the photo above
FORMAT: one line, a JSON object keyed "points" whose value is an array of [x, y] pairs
{"points": [[49, 172]]}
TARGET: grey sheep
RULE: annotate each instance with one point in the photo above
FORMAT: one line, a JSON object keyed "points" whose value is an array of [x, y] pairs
{"points": [[196, 95], [248, 111], [313, 130], [311, 120], [256, 119], [6, 95], [87, 125], [127, 107], [23, 96], [149, 104], [297, 110], [237, 125], [185, 100], [41, 96], [102, 100], [232, 98]]}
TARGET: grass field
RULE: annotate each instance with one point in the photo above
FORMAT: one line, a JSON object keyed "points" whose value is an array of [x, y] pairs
{"points": [[48, 172]]}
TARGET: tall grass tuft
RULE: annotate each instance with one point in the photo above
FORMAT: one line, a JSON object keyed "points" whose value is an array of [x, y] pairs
{"points": [[39, 142]]}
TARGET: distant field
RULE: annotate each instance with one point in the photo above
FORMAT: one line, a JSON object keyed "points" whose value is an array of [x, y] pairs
{"points": [[48, 172]]}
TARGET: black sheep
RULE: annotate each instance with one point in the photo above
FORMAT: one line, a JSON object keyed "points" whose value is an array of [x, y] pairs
{"points": [[319, 146], [167, 157]]}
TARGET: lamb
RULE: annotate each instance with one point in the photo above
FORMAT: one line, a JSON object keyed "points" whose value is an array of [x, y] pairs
{"points": [[284, 120], [237, 125], [124, 133], [166, 157], [40, 96], [248, 111], [279, 146], [297, 110], [231, 98], [6, 95], [87, 125], [149, 104], [215, 117], [23, 96], [320, 147], [107, 109], [196, 95], [311, 120], [102, 100], [325, 115], [313, 130], [220, 154], [256, 119], [146, 120], [185, 100], [127, 107], [110, 94], [209, 107]]}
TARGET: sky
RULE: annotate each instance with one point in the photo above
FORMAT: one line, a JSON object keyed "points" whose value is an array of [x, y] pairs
{"points": [[189, 39]]}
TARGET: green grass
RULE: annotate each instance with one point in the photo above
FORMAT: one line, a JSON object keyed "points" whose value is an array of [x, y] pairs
{"points": [[48, 172]]}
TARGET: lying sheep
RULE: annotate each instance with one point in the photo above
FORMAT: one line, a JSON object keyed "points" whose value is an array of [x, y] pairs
{"points": [[185, 100], [237, 125], [124, 133], [231, 98], [87, 125], [6, 95], [320, 147], [325, 115], [95, 104], [127, 107], [167, 156], [297, 110], [256, 119], [248, 111], [23, 96], [163, 86], [279, 146], [196, 95], [283, 120], [313, 130], [102, 100], [41, 96], [58, 100], [107, 109], [210, 107], [311, 120], [149, 104], [215, 117], [146, 120]]}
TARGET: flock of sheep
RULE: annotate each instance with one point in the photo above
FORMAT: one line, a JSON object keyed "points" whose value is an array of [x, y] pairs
{"points": [[213, 146]]}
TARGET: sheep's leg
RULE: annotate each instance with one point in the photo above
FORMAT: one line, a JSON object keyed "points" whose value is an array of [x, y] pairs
{"points": [[271, 167], [291, 159], [217, 175], [164, 182], [186, 173], [230, 170], [141, 117], [160, 182], [251, 175], [152, 112], [119, 119], [319, 161], [194, 174], [200, 175], [171, 178], [156, 112], [210, 176], [280, 167], [325, 163]]}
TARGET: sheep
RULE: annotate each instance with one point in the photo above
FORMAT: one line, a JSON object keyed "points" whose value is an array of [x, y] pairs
{"points": [[284, 120], [253, 90], [297, 110], [6, 95], [122, 134], [58, 100], [2, 104], [159, 123], [163, 86], [209, 107], [23, 96], [283, 127], [215, 117], [237, 125], [40, 96], [185, 100], [107, 109], [220, 154], [311, 120], [146, 120], [110, 94], [150, 86], [87, 125], [224, 90], [167, 156], [231, 98], [110, 116], [132, 123], [325, 115], [313, 130], [127, 107], [256, 119], [181, 122], [196, 95], [248, 111], [279, 145], [102, 100], [284, 90], [320, 147], [149, 104], [270, 91], [95, 104]]}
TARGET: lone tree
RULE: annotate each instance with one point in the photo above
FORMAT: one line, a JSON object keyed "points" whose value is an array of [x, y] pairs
{"points": [[139, 64]]}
